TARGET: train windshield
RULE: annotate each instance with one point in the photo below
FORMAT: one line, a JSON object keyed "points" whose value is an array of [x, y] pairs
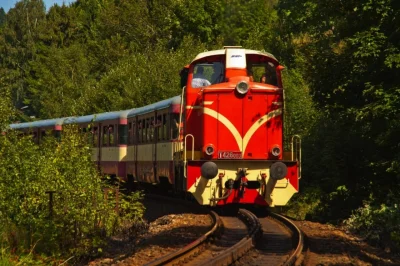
{"points": [[262, 70], [206, 74]]}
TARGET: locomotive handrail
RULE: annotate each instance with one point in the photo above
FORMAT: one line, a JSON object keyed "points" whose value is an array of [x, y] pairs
{"points": [[181, 111], [296, 149], [184, 153]]}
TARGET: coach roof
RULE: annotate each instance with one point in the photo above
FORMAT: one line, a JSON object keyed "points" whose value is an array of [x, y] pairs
{"points": [[98, 117], [155, 106], [36, 124]]}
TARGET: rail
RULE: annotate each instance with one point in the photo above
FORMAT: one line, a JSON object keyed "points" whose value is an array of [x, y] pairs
{"points": [[188, 248], [238, 250], [299, 238]]}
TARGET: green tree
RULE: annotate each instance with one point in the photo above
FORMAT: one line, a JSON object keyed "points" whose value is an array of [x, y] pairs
{"points": [[81, 214], [2, 16], [349, 55], [17, 46], [60, 83]]}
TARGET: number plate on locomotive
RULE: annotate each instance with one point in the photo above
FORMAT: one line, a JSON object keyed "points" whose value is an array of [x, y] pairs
{"points": [[230, 155]]}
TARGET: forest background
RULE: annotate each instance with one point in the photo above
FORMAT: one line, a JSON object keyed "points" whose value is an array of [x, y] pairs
{"points": [[342, 82]]}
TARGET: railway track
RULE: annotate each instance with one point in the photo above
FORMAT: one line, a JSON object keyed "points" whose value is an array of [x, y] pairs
{"points": [[245, 239], [281, 243], [227, 241]]}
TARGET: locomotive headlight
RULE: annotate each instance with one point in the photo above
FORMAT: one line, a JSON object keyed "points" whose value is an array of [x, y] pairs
{"points": [[276, 150], [242, 87], [209, 149]]}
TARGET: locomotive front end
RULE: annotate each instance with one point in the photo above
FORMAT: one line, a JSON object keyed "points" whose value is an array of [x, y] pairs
{"points": [[233, 130]]}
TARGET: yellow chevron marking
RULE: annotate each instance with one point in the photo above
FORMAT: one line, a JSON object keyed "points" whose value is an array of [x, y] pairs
{"points": [[258, 124], [225, 121]]}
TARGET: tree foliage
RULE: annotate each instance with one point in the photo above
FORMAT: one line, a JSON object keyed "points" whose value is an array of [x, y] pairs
{"points": [[52, 198], [349, 55]]}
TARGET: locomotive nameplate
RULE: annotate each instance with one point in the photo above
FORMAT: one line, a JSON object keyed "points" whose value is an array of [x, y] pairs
{"points": [[230, 155]]}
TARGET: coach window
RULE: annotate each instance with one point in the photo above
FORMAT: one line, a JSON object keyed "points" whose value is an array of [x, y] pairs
{"points": [[140, 131], [88, 134], [164, 127], [134, 133], [144, 132], [105, 135], [143, 135], [147, 130], [152, 128], [95, 137], [159, 127], [111, 135], [175, 126]]}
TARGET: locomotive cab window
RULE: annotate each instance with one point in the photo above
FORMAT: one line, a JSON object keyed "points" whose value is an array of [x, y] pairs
{"points": [[262, 71], [208, 73]]}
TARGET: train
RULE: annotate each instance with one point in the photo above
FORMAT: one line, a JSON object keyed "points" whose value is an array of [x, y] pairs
{"points": [[221, 140]]}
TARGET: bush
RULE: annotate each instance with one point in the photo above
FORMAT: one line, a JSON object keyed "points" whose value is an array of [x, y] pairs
{"points": [[305, 204], [52, 198], [379, 223]]}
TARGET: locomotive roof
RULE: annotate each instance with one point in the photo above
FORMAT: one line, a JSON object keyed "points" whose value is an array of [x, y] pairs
{"points": [[223, 51], [155, 106]]}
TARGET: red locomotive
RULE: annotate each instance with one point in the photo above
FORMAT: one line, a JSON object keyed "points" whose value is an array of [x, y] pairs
{"points": [[221, 140]]}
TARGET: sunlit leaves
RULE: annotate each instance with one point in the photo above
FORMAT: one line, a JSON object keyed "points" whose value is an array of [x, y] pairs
{"points": [[81, 214]]}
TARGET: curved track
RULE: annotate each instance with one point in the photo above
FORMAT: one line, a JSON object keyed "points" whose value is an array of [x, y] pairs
{"points": [[236, 237], [281, 243], [239, 240]]}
